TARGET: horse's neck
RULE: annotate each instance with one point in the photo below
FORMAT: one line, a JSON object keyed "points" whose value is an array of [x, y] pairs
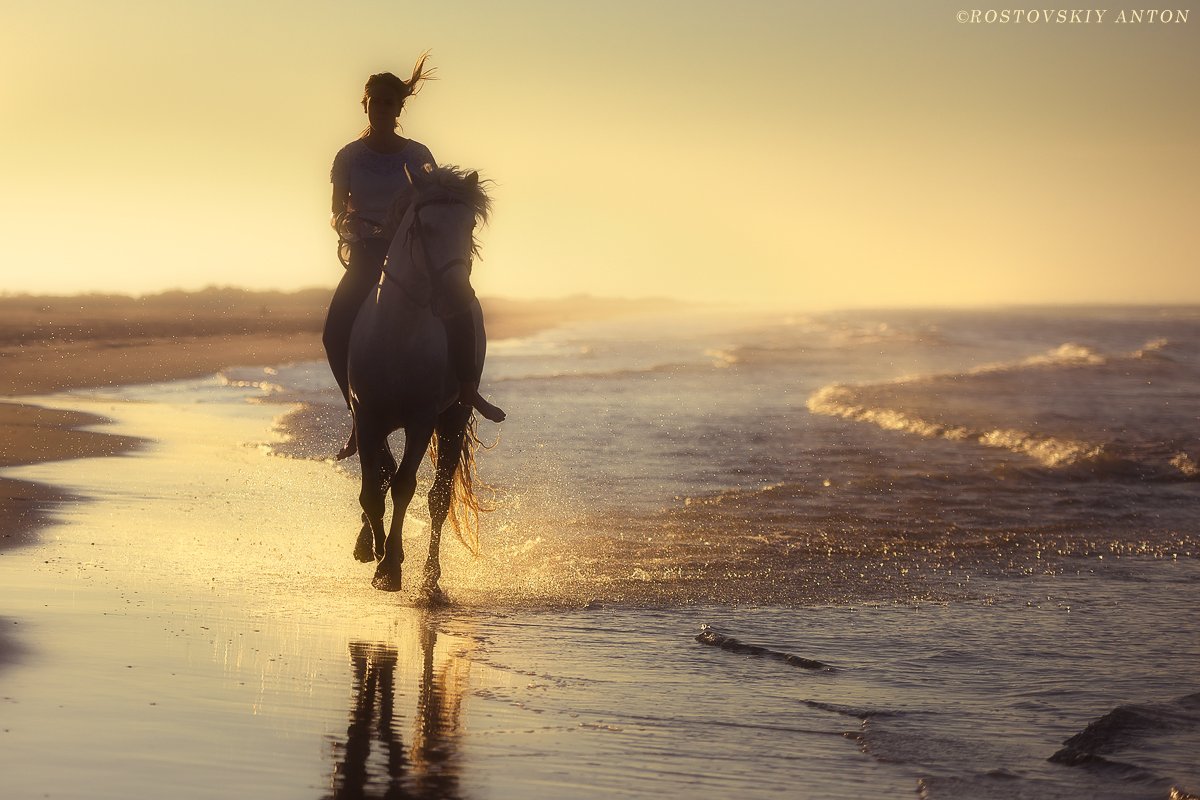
{"points": [[404, 278], [392, 315]]}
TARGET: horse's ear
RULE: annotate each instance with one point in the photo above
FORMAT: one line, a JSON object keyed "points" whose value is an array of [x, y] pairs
{"points": [[472, 180], [419, 176]]}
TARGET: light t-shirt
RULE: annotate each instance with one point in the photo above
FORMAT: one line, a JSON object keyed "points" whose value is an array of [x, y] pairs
{"points": [[375, 178]]}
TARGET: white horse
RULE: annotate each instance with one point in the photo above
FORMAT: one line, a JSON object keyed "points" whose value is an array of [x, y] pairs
{"points": [[401, 376]]}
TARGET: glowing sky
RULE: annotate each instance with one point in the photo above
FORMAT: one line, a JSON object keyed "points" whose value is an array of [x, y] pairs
{"points": [[808, 154]]}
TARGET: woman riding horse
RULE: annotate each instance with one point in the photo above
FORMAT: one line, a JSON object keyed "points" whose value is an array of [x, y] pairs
{"points": [[403, 372], [367, 175]]}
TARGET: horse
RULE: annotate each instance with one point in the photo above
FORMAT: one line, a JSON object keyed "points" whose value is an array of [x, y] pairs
{"points": [[401, 377]]}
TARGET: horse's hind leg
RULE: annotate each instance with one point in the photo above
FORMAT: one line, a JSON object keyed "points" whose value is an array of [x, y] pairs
{"points": [[404, 485], [377, 467], [451, 428]]}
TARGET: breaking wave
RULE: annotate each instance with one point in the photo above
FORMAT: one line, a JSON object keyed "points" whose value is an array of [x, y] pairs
{"points": [[1049, 451], [1027, 406], [1070, 354]]}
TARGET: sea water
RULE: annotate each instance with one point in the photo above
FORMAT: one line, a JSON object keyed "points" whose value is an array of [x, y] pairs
{"points": [[983, 525], [846, 457], [987, 522]]}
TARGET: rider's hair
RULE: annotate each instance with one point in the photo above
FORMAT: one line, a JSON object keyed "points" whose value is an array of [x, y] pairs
{"points": [[403, 89]]}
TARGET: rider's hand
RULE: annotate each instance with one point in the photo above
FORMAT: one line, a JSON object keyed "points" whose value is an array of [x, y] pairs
{"points": [[347, 226]]}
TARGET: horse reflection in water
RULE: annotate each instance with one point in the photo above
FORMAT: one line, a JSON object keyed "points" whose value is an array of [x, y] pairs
{"points": [[429, 768]]}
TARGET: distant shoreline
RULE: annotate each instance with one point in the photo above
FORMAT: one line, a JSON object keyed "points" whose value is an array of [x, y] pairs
{"points": [[56, 343]]}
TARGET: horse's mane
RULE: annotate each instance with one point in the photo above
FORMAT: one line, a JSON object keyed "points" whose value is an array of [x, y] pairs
{"points": [[444, 182]]}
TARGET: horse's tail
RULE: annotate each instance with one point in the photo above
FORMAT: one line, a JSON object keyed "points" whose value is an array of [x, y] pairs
{"points": [[465, 505]]}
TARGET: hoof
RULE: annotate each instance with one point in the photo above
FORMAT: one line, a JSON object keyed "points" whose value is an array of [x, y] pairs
{"points": [[349, 448], [432, 596], [386, 579], [364, 548]]}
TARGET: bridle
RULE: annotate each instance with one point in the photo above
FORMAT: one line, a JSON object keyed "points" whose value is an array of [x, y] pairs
{"points": [[415, 236]]}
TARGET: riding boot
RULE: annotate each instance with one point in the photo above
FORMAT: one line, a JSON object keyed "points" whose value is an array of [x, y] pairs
{"points": [[460, 341]]}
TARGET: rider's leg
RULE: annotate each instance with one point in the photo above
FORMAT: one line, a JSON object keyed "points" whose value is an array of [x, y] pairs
{"points": [[461, 342], [361, 276]]}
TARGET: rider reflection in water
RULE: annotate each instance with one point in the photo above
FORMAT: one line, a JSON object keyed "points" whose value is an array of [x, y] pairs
{"points": [[367, 174]]}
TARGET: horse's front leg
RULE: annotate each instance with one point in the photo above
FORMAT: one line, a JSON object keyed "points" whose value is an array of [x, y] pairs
{"points": [[377, 467], [404, 485]]}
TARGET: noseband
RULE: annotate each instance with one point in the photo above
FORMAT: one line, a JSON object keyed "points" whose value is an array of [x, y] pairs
{"points": [[415, 235]]}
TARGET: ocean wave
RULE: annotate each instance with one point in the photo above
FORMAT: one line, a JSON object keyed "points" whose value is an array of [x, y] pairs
{"points": [[1066, 354], [849, 711], [1072, 354], [876, 333], [837, 400], [1155, 348], [1130, 727], [814, 339], [956, 406], [1049, 451]]}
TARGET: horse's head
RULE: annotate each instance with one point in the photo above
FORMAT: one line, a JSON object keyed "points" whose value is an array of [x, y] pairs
{"points": [[434, 221]]}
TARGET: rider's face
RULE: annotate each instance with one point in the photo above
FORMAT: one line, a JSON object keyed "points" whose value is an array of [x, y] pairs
{"points": [[383, 108]]}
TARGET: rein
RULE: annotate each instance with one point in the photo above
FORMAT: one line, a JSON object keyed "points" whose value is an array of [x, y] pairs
{"points": [[414, 236]]}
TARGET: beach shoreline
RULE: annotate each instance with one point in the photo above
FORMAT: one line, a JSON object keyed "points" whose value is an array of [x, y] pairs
{"points": [[52, 344], [55, 344]]}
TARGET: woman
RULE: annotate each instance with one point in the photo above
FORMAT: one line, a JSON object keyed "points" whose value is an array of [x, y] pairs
{"points": [[367, 174]]}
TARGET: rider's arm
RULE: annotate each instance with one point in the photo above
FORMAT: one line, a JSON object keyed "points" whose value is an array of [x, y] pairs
{"points": [[339, 176], [341, 198]]}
